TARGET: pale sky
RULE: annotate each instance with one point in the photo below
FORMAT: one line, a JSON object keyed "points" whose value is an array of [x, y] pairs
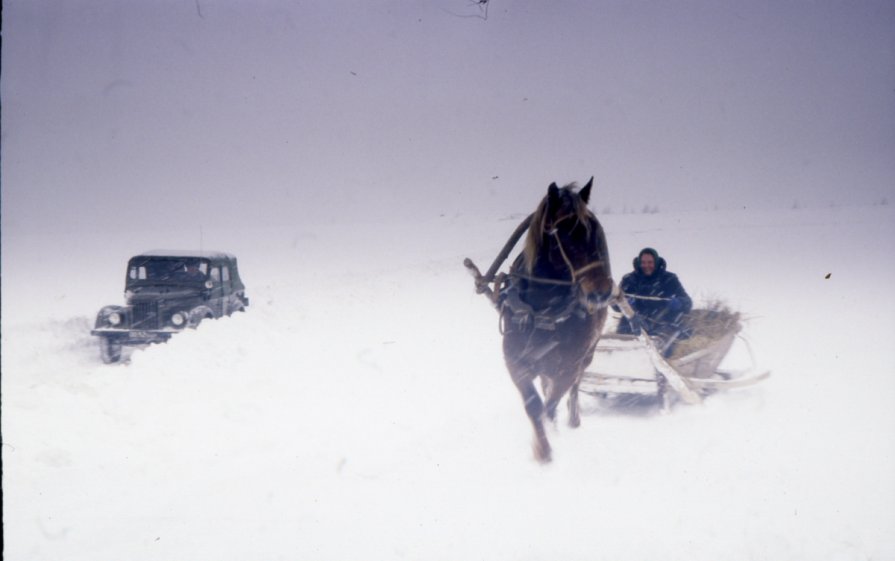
{"points": [[142, 114]]}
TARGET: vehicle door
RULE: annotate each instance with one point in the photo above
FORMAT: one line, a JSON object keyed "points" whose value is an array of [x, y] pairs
{"points": [[216, 294], [227, 288]]}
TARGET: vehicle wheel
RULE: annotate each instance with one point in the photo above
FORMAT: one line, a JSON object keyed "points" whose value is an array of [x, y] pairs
{"points": [[109, 349], [196, 317], [240, 304]]}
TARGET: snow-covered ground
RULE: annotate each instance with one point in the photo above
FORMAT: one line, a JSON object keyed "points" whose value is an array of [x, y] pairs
{"points": [[360, 409]]}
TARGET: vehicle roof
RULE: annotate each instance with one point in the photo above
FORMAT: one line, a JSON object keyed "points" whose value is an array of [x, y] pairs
{"points": [[206, 254]]}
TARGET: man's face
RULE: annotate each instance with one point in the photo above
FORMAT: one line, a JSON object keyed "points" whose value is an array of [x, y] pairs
{"points": [[647, 264]]}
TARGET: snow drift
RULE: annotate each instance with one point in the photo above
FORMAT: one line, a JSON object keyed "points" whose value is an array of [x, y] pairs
{"points": [[360, 409]]}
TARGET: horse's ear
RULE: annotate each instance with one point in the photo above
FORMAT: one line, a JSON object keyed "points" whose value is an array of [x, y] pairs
{"points": [[552, 196], [584, 193]]}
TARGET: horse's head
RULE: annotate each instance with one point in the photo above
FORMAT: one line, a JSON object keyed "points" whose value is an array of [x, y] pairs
{"points": [[566, 242]]}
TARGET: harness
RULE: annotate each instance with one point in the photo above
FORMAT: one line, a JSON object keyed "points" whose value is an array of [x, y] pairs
{"points": [[505, 294]]}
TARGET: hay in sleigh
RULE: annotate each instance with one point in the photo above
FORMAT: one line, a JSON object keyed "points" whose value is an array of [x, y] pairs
{"points": [[706, 326]]}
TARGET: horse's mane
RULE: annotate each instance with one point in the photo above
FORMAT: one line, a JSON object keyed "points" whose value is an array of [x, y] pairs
{"points": [[538, 224]]}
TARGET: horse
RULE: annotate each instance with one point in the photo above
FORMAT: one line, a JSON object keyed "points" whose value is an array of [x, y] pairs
{"points": [[554, 304]]}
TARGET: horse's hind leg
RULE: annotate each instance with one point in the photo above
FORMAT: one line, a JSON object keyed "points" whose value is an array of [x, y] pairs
{"points": [[557, 389], [547, 385], [574, 409]]}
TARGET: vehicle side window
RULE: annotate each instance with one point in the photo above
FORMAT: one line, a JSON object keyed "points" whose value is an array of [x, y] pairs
{"points": [[215, 274], [136, 273], [226, 274]]}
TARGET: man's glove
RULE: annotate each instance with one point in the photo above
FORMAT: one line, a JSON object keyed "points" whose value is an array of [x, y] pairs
{"points": [[675, 304]]}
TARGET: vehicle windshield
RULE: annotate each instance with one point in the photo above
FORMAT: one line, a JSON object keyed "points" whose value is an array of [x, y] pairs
{"points": [[177, 270]]}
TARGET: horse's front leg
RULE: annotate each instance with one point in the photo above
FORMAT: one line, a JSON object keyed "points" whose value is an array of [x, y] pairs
{"points": [[534, 409]]}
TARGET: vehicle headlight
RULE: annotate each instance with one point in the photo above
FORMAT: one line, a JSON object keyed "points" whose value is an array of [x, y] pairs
{"points": [[178, 319], [114, 318]]}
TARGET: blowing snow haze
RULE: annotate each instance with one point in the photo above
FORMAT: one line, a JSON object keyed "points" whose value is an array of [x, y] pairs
{"points": [[351, 154], [150, 115]]}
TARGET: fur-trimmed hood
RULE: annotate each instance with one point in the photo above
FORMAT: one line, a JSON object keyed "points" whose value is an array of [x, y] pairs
{"points": [[660, 262]]}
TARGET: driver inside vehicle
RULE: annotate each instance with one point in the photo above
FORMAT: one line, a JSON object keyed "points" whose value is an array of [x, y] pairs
{"points": [[193, 271], [658, 298]]}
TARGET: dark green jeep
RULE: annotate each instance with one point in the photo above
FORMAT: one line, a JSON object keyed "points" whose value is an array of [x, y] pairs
{"points": [[166, 292]]}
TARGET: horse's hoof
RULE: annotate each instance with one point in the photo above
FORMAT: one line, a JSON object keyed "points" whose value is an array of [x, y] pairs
{"points": [[542, 453], [574, 422]]}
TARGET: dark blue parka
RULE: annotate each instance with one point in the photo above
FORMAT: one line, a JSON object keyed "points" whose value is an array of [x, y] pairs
{"points": [[665, 301]]}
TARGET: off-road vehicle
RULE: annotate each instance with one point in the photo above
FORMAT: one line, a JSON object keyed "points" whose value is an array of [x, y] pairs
{"points": [[166, 292]]}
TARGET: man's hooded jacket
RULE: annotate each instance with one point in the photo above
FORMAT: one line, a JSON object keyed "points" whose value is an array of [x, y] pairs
{"points": [[670, 301]]}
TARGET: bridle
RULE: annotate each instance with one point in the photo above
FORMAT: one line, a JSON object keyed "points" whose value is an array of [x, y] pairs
{"points": [[573, 271], [548, 319], [506, 294]]}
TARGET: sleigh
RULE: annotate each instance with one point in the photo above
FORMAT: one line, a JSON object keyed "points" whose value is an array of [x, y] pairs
{"points": [[688, 368], [625, 365]]}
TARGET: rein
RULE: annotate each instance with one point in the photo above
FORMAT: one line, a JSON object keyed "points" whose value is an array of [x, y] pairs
{"points": [[557, 282], [652, 298]]}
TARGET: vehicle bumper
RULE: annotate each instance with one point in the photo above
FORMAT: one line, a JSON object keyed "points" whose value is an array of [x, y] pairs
{"points": [[135, 337]]}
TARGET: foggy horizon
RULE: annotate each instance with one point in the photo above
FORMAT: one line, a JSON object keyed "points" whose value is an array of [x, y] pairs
{"points": [[147, 115]]}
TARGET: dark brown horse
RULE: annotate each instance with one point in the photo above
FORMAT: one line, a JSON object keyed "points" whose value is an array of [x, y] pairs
{"points": [[553, 306]]}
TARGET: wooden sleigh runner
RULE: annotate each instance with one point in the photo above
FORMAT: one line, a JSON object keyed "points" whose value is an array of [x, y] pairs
{"points": [[634, 364]]}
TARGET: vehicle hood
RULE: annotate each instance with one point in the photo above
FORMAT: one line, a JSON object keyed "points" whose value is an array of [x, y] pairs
{"points": [[161, 292]]}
